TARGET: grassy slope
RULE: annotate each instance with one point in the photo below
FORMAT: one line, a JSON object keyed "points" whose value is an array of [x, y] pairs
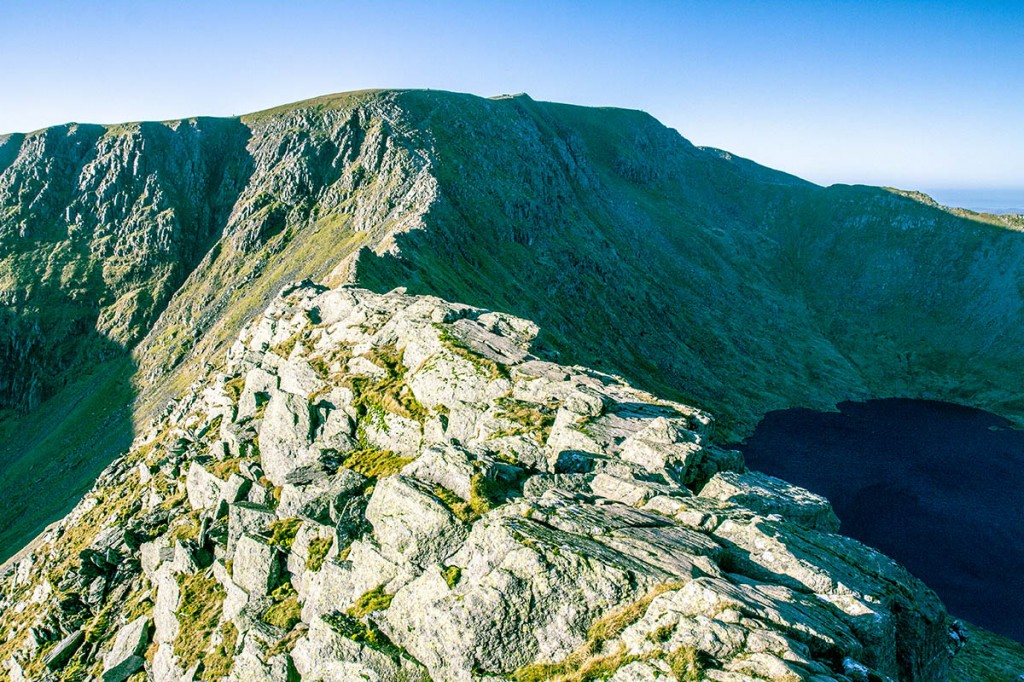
{"points": [[322, 179], [987, 657], [52, 456]]}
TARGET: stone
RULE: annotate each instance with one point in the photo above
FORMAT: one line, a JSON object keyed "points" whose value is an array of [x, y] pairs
{"points": [[203, 488], [450, 467], [324, 655], [64, 650], [257, 565], [664, 446], [125, 657], [767, 495], [245, 517], [235, 489], [259, 385], [388, 431], [285, 436], [168, 597], [411, 524], [297, 377]]}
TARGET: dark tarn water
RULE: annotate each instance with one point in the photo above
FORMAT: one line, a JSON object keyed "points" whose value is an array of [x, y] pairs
{"points": [[936, 486]]}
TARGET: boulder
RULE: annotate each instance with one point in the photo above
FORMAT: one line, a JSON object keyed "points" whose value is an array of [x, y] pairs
{"points": [[285, 436], [245, 517], [203, 488], [325, 655], [767, 495], [665, 446], [168, 597], [389, 431], [257, 565], [235, 489], [125, 657], [411, 524], [259, 385]]}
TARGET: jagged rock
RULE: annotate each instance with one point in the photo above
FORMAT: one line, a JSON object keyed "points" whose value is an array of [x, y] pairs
{"points": [[525, 592], [314, 499], [450, 467], [64, 650], [299, 378], [768, 495], [235, 489], [168, 597], [663, 446], [125, 657], [338, 584], [204, 489], [285, 436], [249, 665], [165, 665], [324, 655], [392, 432], [257, 565], [411, 524], [245, 517], [259, 385]]}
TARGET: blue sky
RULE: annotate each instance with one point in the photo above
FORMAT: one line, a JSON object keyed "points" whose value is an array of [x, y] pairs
{"points": [[914, 94]]}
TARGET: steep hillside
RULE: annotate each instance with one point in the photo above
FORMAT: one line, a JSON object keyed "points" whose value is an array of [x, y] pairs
{"points": [[688, 271], [389, 487], [166, 238]]}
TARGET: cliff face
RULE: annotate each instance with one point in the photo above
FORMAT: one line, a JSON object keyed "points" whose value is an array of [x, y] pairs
{"points": [[392, 487]]}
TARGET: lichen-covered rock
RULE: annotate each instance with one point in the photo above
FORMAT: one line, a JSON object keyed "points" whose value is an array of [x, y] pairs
{"points": [[257, 565], [325, 655], [411, 524], [285, 436], [204, 489]]}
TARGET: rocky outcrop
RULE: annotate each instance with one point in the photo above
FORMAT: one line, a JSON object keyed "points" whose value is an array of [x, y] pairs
{"points": [[393, 487]]}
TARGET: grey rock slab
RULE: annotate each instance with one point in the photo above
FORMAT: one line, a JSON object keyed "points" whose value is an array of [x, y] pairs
{"points": [[124, 658], [64, 650], [285, 436], [203, 488], [324, 655], [245, 517], [767, 495]]}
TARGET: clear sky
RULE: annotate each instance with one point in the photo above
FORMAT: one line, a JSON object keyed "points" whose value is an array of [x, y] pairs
{"points": [[914, 94]]}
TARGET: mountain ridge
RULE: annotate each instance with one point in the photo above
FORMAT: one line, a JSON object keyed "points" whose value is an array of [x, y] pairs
{"points": [[540, 209]]}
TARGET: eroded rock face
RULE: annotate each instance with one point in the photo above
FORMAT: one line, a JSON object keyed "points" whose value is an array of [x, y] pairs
{"points": [[403, 492]]}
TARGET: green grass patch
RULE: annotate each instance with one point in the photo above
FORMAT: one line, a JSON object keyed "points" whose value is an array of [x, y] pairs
{"points": [[452, 575], [529, 418], [374, 463], [318, 550], [217, 664], [358, 631], [285, 612], [486, 367], [389, 392], [202, 601], [282, 532], [373, 600]]}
